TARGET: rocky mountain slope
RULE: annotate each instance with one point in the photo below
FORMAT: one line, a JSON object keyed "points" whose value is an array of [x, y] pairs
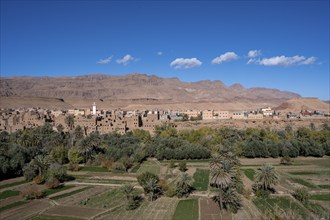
{"points": [[135, 87]]}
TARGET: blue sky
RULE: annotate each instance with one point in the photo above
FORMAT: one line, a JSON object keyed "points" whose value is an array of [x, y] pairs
{"points": [[288, 41]]}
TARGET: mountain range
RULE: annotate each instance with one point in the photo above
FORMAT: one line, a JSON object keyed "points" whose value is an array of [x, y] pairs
{"points": [[141, 91]]}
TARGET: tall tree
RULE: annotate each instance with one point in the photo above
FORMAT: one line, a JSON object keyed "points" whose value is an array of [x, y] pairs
{"points": [[266, 176], [69, 120], [183, 184]]}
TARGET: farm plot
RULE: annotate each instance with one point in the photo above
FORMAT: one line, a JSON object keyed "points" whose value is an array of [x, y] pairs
{"points": [[187, 209], [162, 208], [209, 210], [73, 211], [201, 179], [150, 166], [108, 199]]}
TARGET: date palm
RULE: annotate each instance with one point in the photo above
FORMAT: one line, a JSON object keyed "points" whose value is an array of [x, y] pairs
{"points": [[183, 184], [266, 176]]}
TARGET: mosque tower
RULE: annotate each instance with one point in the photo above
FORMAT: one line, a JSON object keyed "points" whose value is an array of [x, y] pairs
{"points": [[94, 109]]}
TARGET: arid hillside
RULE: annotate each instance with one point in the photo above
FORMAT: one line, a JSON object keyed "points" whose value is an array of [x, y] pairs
{"points": [[139, 88], [301, 104]]}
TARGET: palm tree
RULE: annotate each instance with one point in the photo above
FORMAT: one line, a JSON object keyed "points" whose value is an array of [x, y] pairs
{"points": [[128, 190], [266, 176], [183, 184], [69, 120], [152, 188]]}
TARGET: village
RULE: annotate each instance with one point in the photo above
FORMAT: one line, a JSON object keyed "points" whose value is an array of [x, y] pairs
{"points": [[122, 121]]}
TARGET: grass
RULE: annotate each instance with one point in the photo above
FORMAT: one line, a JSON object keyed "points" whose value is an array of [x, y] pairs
{"points": [[94, 169], [108, 199], [186, 209], [9, 193], [327, 186], [322, 197], [201, 179], [318, 172], [316, 208], [13, 184], [249, 173], [52, 217], [135, 168], [284, 203], [70, 193], [149, 166], [13, 205], [109, 181], [303, 182], [48, 192]]}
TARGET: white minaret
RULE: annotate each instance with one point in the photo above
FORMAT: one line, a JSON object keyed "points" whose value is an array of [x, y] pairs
{"points": [[94, 108]]}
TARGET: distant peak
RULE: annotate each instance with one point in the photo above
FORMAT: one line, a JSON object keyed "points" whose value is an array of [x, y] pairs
{"points": [[237, 86]]}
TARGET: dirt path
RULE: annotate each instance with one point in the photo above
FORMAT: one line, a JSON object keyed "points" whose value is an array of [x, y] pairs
{"points": [[247, 212]]}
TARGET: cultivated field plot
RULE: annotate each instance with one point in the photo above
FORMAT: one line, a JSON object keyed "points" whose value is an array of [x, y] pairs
{"points": [[310, 173], [210, 211], [162, 208], [150, 166]]}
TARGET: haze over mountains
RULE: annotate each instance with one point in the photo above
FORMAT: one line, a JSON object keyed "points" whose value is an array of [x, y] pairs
{"points": [[136, 91]]}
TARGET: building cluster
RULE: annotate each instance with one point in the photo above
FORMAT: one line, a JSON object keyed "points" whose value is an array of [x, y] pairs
{"points": [[105, 121]]}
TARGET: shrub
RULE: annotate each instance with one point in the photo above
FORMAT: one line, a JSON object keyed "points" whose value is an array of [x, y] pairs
{"points": [[301, 194], [32, 193], [183, 166], [118, 167], [38, 180], [172, 164], [52, 183], [29, 172], [286, 160], [73, 166], [57, 171]]}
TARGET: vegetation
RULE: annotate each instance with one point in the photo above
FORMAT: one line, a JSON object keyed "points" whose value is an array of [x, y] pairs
{"points": [[249, 173], [183, 185], [108, 199], [13, 205], [303, 182], [13, 184], [8, 193], [149, 182], [94, 169], [201, 179], [48, 192], [133, 200], [225, 177], [321, 197], [186, 209], [266, 177], [70, 193], [52, 217]]}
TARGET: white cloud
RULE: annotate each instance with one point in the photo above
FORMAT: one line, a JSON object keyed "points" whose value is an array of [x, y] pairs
{"points": [[228, 56], [105, 61], [159, 53], [125, 60], [185, 63], [254, 53], [286, 61]]}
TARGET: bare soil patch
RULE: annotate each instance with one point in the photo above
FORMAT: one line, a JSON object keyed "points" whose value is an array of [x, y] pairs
{"points": [[209, 210], [73, 211]]}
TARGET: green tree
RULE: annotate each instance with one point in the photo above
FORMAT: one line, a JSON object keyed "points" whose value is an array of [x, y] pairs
{"points": [[149, 183], [183, 185], [266, 177], [132, 199], [74, 156], [182, 166], [69, 121]]}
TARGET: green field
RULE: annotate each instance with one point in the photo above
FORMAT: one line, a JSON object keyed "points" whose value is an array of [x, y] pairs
{"points": [[325, 186], [70, 193], [13, 205], [9, 193], [13, 184], [94, 169], [135, 168], [317, 172], [52, 217], [186, 209], [48, 192], [249, 173], [284, 203], [201, 179], [108, 199], [322, 197], [150, 166], [303, 182]]}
